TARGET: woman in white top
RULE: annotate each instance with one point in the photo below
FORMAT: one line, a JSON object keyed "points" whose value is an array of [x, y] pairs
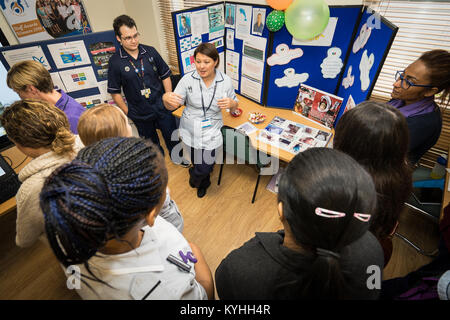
{"points": [[101, 217], [205, 92]]}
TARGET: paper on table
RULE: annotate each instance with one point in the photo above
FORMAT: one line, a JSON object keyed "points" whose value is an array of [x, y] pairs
{"points": [[69, 54], [32, 53]]}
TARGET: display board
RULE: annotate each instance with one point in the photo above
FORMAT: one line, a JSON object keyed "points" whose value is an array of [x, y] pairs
{"points": [[269, 67], [78, 64], [241, 38], [369, 51], [317, 63]]}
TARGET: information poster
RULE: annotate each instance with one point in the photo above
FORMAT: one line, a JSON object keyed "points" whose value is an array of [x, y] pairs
{"points": [[32, 53], [78, 79], [36, 20], [69, 54]]}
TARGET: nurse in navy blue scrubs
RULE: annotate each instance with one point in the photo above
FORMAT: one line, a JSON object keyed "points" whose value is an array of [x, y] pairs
{"points": [[144, 77]]}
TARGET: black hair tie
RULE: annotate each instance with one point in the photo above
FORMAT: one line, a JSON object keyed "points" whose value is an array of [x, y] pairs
{"points": [[327, 253]]}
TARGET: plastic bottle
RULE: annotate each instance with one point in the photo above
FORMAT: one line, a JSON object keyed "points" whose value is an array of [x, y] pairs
{"points": [[438, 171]]}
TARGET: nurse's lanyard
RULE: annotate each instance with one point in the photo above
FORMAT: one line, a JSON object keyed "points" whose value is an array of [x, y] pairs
{"points": [[212, 99], [146, 91]]}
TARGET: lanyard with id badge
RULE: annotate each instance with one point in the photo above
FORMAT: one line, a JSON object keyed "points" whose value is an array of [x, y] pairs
{"points": [[146, 91], [206, 123]]}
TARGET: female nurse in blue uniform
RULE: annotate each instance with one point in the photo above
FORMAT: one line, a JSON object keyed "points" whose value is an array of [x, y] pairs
{"points": [[414, 94], [205, 92]]}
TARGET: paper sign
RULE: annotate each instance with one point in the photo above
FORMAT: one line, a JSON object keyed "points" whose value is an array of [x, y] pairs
{"points": [[199, 22], [251, 88], [243, 21], [57, 82], [348, 81], [69, 54], [325, 39], [230, 39], [332, 64], [362, 39], [78, 79], [31, 53], [232, 65]]}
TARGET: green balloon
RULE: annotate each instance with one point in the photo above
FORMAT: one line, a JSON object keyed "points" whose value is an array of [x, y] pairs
{"points": [[306, 19], [275, 20]]}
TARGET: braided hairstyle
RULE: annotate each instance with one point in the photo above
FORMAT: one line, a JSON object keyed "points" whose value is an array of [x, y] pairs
{"points": [[109, 188], [331, 180]]}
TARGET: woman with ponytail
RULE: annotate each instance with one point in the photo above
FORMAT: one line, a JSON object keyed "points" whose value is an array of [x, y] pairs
{"points": [[42, 132], [101, 214], [325, 203]]}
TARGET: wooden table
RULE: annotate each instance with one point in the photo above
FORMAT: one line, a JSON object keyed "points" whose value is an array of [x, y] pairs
{"points": [[17, 158], [446, 196], [248, 106]]}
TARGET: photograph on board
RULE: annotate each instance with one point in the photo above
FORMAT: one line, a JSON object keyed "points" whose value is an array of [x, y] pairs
{"points": [[259, 16], [230, 12], [184, 24]]}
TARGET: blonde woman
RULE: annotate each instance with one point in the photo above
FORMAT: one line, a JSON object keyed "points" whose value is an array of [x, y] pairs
{"points": [[42, 132], [107, 121]]}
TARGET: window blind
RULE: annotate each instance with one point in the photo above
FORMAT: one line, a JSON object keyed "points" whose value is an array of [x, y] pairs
{"points": [[165, 8], [423, 26]]}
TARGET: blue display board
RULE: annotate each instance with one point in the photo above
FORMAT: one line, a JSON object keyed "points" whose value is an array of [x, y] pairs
{"points": [[369, 50], [245, 59], [83, 51], [186, 41], [318, 57]]}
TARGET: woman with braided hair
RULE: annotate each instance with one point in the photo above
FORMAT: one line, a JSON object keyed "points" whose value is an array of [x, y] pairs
{"points": [[42, 132], [101, 214], [325, 203], [107, 121]]}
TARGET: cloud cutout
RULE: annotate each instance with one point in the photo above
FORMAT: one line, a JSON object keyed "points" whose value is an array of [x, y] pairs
{"points": [[362, 39], [349, 80], [283, 55], [291, 79], [364, 67], [332, 64]]}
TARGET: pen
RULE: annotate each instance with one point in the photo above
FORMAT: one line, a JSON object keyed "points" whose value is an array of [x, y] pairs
{"points": [[151, 290]]}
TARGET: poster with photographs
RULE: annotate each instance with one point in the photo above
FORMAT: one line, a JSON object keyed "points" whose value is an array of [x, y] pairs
{"points": [[101, 52], [293, 137], [317, 105], [36, 20]]}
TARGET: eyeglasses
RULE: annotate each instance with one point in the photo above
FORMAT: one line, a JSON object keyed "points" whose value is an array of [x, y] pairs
{"points": [[406, 84], [128, 39]]}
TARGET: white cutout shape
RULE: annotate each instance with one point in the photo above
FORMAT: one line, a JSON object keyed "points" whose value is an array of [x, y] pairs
{"points": [[364, 68], [349, 80], [291, 79], [283, 55], [332, 64], [362, 39]]}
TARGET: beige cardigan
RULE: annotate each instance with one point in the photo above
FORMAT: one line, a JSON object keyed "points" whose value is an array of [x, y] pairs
{"points": [[30, 219]]}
